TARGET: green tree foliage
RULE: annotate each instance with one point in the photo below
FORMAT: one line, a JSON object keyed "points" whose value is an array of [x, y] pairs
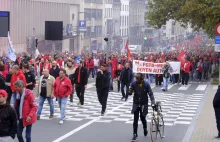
{"points": [[200, 14]]}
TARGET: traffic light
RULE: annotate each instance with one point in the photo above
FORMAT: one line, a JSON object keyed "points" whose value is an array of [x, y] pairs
{"points": [[106, 39], [36, 42]]}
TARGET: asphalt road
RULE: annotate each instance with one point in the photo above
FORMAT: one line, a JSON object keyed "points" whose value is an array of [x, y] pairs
{"points": [[179, 104]]}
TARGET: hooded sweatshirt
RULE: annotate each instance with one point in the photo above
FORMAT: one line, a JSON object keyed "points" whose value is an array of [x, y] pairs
{"points": [[8, 121]]}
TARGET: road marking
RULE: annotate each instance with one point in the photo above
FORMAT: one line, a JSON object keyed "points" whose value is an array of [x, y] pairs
{"points": [[89, 123], [184, 87], [90, 85], [201, 87]]}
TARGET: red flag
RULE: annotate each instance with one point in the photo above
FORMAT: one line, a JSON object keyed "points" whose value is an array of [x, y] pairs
{"points": [[181, 57], [128, 50]]}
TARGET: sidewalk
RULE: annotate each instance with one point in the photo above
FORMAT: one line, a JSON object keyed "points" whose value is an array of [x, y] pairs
{"points": [[205, 129]]}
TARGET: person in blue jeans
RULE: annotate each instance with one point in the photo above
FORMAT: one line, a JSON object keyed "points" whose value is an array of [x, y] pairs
{"points": [[167, 70], [126, 78], [45, 91]]}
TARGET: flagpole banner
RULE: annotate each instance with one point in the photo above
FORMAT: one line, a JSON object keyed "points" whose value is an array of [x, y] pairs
{"points": [[153, 68]]}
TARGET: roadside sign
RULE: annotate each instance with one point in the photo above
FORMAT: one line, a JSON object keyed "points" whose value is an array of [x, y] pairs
{"points": [[82, 25], [217, 40], [217, 47], [217, 29]]}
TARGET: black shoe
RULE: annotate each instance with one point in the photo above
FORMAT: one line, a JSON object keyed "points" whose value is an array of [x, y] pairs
{"points": [[102, 113], [126, 98], [122, 98], [163, 90], [217, 137], [135, 138], [145, 132]]}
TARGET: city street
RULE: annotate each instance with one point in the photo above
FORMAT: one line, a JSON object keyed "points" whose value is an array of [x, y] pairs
{"points": [[179, 105]]}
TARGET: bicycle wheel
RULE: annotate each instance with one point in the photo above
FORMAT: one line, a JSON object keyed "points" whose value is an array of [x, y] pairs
{"points": [[153, 130], [161, 125]]}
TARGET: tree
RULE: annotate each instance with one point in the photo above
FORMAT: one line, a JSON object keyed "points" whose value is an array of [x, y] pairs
{"points": [[200, 14]]}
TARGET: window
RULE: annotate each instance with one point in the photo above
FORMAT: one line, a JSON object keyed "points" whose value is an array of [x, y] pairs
{"points": [[93, 13], [99, 14], [87, 33], [87, 14]]}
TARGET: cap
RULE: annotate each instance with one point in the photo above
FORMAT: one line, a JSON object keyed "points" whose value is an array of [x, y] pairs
{"points": [[3, 93]]}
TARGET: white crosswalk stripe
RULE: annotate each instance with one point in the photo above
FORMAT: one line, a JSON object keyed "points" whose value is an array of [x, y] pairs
{"points": [[201, 87], [186, 87], [178, 108]]}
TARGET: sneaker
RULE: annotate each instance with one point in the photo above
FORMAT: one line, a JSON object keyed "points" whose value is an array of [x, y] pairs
{"points": [[163, 90], [78, 103], [71, 103], [38, 117], [51, 116], [145, 132], [61, 122], [135, 138]]}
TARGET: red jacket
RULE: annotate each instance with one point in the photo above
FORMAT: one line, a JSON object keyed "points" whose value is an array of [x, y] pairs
{"points": [[16, 77], [62, 88], [187, 67], [91, 64], [29, 108]]}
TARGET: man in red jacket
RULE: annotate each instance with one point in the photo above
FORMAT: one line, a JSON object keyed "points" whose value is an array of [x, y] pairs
{"points": [[26, 108], [186, 71], [62, 89], [17, 75]]}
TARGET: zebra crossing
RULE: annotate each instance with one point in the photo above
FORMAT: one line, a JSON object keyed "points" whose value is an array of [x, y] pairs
{"points": [[195, 87], [178, 108]]}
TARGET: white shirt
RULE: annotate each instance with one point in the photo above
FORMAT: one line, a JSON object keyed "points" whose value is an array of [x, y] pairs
{"points": [[96, 62]]}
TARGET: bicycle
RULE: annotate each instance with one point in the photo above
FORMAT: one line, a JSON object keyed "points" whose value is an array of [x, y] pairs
{"points": [[157, 123]]}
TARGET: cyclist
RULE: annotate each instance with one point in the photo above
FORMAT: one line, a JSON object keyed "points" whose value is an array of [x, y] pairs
{"points": [[141, 90]]}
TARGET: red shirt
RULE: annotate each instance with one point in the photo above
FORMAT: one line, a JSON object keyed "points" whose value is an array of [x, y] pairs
{"points": [[16, 77], [187, 67]]}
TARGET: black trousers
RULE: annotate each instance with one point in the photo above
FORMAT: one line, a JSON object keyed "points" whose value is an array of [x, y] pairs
{"points": [[185, 78], [217, 117], [102, 97], [80, 93], [119, 84], [136, 118]]}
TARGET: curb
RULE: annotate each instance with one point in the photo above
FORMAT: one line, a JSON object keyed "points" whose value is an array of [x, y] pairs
{"points": [[190, 130]]}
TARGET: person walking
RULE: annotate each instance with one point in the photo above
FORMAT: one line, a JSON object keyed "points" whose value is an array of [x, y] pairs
{"points": [[8, 84], [62, 90], [45, 91], [126, 78], [17, 75], [70, 70], [186, 71], [55, 70], [118, 73], [102, 86], [30, 77], [216, 106], [26, 108], [8, 119], [91, 67], [81, 79], [141, 90], [167, 70]]}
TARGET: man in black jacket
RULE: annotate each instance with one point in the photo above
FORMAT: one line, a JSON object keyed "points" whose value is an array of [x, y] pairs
{"points": [[102, 86], [80, 79], [216, 105], [55, 70], [141, 90], [8, 119]]}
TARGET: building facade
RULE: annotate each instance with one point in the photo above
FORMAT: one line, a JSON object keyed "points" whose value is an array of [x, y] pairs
{"points": [[117, 40], [136, 22], [124, 21], [93, 13], [27, 18]]}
